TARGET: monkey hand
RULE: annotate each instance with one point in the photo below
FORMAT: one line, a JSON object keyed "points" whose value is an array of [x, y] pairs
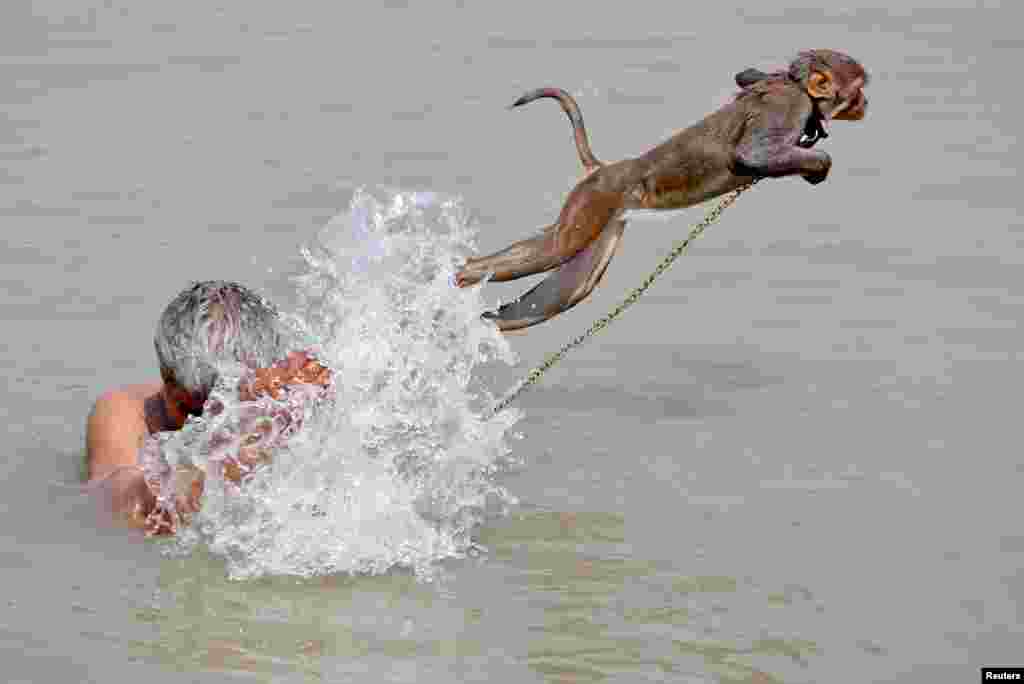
{"points": [[815, 178], [820, 174]]}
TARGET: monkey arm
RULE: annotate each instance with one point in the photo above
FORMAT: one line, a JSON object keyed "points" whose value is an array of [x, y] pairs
{"points": [[777, 161], [770, 145]]}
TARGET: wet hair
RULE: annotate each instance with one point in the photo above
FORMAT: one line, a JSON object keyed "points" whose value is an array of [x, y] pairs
{"points": [[211, 323]]}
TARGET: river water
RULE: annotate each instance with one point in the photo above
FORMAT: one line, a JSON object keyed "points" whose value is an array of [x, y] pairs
{"points": [[795, 460]]}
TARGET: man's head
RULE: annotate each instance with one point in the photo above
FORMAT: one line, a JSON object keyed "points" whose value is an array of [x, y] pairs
{"points": [[205, 326]]}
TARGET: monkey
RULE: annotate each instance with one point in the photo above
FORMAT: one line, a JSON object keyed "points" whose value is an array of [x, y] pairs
{"points": [[767, 130]]}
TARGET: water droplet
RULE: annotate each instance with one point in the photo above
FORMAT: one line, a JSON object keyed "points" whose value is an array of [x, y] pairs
{"points": [[398, 466]]}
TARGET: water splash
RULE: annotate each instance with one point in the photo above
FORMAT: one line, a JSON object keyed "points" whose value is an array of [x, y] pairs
{"points": [[395, 465]]}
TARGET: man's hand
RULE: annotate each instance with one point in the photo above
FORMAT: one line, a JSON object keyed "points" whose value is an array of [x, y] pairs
{"points": [[160, 521], [297, 369], [128, 497]]}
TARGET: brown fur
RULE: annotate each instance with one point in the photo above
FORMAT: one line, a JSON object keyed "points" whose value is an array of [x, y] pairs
{"points": [[768, 130]]}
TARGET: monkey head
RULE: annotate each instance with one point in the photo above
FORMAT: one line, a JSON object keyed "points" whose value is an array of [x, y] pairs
{"points": [[834, 81]]}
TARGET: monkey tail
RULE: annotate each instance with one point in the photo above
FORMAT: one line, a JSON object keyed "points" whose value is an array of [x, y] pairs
{"points": [[572, 110]]}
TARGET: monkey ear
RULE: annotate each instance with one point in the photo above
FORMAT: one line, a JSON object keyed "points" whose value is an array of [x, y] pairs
{"points": [[820, 85]]}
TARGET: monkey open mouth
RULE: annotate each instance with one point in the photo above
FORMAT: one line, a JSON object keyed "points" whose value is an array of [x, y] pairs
{"points": [[814, 130]]}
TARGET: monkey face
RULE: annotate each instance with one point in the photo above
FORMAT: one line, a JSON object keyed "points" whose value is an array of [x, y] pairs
{"points": [[853, 104]]}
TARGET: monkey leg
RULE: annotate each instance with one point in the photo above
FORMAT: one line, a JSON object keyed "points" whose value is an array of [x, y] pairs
{"points": [[585, 214], [580, 246], [566, 287], [523, 258]]}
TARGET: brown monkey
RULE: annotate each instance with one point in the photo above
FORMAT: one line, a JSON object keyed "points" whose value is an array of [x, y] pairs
{"points": [[768, 130]]}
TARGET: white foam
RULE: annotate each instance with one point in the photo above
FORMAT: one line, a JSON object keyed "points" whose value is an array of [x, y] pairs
{"points": [[397, 467]]}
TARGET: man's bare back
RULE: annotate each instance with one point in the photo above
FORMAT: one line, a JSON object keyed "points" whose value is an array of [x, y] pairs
{"points": [[122, 419]]}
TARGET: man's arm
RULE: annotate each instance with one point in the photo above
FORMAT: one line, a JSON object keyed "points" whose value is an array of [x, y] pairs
{"points": [[115, 430]]}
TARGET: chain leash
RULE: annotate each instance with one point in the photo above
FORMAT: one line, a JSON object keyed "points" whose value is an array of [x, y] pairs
{"points": [[600, 324]]}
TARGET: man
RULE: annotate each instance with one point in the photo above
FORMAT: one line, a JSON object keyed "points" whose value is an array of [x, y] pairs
{"points": [[206, 325]]}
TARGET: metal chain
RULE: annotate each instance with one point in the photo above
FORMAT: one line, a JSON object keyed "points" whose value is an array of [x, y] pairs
{"points": [[600, 324]]}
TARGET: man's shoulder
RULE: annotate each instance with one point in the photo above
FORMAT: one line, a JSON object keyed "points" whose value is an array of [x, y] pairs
{"points": [[116, 426], [123, 403], [129, 393]]}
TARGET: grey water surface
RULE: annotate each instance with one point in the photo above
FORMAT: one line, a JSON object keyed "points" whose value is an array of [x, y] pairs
{"points": [[797, 459]]}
